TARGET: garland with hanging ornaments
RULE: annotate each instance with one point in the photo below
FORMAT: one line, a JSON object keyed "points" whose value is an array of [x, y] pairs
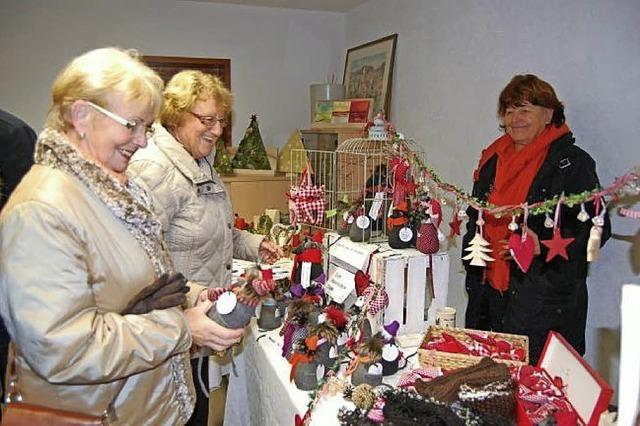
{"points": [[521, 247]]}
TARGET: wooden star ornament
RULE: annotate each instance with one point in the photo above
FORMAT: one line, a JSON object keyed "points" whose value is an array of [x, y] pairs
{"points": [[455, 225], [557, 245]]}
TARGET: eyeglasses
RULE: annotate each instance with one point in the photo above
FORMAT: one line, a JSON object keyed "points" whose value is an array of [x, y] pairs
{"points": [[209, 120], [135, 126]]}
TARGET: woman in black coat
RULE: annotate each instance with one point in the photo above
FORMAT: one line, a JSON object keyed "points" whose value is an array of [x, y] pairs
{"points": [[534, 161]]}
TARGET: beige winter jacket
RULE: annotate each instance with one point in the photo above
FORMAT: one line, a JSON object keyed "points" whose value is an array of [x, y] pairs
{"points": [[68, 266], [196, 212]]}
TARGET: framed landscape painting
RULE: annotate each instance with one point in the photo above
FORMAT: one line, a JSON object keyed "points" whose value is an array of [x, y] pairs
{"points": [[368, 72]]}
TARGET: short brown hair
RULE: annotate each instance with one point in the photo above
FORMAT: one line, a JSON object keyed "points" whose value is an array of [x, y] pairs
{"points": [[530, 88], [188, 87]]}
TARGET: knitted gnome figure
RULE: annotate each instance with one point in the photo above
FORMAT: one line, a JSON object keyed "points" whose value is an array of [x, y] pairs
{"points": [[340, 320], [306, 371], [270, 310], [360, 229], [366, 367], [235, 306], [390, 352], [307, 274], [295, 325], [327, 339], [399, 230]]}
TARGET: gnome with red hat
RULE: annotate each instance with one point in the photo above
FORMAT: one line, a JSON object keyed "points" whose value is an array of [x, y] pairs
{"points": [[307, 275]]}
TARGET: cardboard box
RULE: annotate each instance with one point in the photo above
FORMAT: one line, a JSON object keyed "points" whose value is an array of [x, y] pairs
{"points": [[587, 392]]}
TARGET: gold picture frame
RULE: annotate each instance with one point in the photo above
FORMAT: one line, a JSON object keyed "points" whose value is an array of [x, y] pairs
{"points": [[368, 72]]}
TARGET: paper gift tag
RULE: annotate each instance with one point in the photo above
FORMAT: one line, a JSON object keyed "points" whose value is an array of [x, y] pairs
{"points": [[374, 211], [320, 371], [521, 251], [390, 352], [305, 274], [342, 338], [375, 369], [226, 302], [363, 222], [405, 234], [333, 352]]}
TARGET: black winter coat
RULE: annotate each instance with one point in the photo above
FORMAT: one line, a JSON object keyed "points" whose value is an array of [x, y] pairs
{"points": [[550, 296]]}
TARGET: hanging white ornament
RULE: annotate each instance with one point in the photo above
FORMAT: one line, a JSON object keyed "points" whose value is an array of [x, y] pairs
{"points": [[548, 222], [462, 213], [598, 220], [478, 247], [513, 226], [583, 216]]}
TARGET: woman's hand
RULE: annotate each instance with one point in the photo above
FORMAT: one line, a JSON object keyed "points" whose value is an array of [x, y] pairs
{"points": [[207, 333], [269, 252]]}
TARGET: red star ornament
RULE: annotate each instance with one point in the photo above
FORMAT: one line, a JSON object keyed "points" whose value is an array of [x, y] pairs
{"points": [[557, 245], [455, 226]]}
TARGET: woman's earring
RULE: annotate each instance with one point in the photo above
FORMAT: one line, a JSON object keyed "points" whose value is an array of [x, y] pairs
{"points": [[82, 135]]}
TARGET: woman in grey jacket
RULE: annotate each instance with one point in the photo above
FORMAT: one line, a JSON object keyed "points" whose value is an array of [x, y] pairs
{"points": [[196, 211]]}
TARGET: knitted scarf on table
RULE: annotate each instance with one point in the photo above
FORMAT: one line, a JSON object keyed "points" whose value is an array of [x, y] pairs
{"points": [[515, 171], [132, 206]]}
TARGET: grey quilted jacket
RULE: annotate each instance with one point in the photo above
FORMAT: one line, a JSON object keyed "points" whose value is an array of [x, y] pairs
{"points": [[196, 211]]}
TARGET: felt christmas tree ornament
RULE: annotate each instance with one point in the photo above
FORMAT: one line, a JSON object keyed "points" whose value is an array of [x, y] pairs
{"points": [[478, 247], [251, 153], [221, 161], [293, 156]]}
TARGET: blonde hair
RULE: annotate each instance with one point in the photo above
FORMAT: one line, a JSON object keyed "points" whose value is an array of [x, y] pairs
{"points": [[188, 87], [98, 73]]}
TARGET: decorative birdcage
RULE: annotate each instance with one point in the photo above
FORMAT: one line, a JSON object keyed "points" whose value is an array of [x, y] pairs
{"points": [[357, 180]]}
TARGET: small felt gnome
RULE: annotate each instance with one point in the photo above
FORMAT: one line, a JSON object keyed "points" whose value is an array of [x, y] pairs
{"points": [[366, 366], [295, 325], [306, 371], [235, 306], [327, 339], [339, 319], [307, 274], [270, 315], [390, 352]]}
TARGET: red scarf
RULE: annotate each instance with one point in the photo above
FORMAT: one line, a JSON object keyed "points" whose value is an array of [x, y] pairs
{"points": [[515, 172]]}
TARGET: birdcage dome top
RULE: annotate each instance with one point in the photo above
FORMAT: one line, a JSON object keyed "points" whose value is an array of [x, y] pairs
{"points": [[363, 146]]}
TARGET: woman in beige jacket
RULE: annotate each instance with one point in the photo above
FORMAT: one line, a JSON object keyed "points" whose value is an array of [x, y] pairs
{"points": [[196, 210], [79, 248]]}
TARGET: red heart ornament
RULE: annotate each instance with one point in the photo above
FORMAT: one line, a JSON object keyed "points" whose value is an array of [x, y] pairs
{"points": [[521, 251], [362, 282]]}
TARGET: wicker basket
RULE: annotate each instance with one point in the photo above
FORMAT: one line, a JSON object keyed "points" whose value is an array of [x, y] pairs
{"points": [[450, 361]]}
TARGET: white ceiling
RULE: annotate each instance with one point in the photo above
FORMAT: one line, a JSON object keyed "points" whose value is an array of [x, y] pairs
{"points": [[326, 5]]}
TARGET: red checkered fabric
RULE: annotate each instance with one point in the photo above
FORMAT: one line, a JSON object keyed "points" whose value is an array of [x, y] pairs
{"points": [[379, 299], [307, 204]]}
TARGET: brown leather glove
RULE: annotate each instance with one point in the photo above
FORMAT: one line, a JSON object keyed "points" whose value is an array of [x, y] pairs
{"points": [[165, 292]]}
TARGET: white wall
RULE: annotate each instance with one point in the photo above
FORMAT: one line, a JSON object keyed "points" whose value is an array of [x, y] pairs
{"points": [[454, 57], [275, 53]]}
